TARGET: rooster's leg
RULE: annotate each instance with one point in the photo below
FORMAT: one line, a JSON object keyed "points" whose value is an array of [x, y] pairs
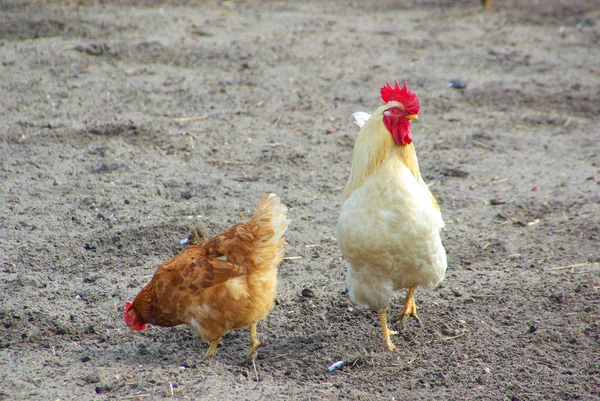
{"points": [[387, 342], [254, 343], [211, 350], [410, 308]]}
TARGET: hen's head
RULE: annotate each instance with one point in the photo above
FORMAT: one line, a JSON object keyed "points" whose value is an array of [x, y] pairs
{"points": [[131, 318], [404, 107]]}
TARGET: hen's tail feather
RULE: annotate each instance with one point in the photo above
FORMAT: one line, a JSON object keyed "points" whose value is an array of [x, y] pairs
{"points": [[268, 225]]}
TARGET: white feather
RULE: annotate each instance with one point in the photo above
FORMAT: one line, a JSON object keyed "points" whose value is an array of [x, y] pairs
{"points": [[360, 118], [389, 232]]}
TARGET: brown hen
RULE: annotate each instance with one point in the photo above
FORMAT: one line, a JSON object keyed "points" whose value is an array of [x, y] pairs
{"points": [[226, 282]]}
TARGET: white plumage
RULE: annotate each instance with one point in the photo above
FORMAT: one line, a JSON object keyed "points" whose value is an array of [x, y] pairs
{"points": [[360, 118], [389, 232], [389, 225]]}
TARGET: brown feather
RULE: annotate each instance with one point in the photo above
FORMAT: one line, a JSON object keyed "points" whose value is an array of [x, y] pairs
{"points": [[226, 282]]}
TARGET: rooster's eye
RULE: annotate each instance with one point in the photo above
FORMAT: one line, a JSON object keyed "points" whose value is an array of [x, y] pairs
{"points": [[395, 110]]}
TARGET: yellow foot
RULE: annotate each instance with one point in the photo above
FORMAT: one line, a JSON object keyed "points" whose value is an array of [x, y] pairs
{"points": [[211, 350], [387, 341], [410, 308], [254, 343]]}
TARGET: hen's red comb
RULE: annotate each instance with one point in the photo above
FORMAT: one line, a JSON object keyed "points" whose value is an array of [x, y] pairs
{"points": [[127, 318], [408, 98]]}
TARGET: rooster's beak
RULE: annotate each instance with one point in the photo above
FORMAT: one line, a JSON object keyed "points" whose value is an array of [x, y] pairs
{"points": [[412, 117]]}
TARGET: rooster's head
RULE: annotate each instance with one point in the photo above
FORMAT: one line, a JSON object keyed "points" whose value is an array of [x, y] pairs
{"points": [[404, 107]]}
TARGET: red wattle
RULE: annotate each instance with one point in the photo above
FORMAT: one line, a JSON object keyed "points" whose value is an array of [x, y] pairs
{"points": [[400, 130]]}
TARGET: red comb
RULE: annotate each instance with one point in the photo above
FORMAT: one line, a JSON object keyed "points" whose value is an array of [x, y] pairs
{"points": [[408, 98], [127, 318]]}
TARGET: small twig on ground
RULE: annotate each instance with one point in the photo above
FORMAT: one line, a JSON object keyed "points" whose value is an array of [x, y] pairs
{"points": [[412, 340], [278, 120], [171, 387], [235, 163], [451, 338], [130, 397], [206, 116], [186, 119], [553, 366], [292, 257], [446, 338], [254, 366], [576, 266], [481, 145], [277, 144]]}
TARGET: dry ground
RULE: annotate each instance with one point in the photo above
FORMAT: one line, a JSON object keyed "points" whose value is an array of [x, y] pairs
{"points": [[123, 124]]}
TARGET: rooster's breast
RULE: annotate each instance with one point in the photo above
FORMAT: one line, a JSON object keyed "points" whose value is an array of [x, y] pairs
{"points": [[389, 232]]}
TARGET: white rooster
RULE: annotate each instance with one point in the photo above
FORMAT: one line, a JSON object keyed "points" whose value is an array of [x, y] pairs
{"points": [[389, 225]]}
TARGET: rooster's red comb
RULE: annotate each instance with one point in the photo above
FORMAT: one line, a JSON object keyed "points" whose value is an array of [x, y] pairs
{"points": [[408, 98]]}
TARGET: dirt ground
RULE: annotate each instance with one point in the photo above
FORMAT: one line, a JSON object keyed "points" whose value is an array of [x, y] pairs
{"points": [[124, 124]]}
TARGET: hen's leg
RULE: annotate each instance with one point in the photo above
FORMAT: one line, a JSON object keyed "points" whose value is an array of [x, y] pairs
{"points": [[254, 343], [211, 350], [387, 342], [410, 308]]}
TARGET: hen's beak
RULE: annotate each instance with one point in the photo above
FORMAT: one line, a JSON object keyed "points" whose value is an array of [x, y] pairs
{"points": [[412, 117]]}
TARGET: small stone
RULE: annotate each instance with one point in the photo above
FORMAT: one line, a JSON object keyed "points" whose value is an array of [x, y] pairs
{"points": [[308, 293], [93, 378], [103, 389], [91, 246], [457, 84], [558, 298]]}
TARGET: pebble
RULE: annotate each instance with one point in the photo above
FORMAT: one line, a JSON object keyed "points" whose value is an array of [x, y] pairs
{"points": [[456, 84], [335, 366]]}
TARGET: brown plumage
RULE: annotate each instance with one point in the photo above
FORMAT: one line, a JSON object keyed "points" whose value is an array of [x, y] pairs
{"points": [[226, 282]]}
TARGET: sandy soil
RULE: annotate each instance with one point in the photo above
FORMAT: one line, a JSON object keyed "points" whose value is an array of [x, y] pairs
{"points": [[122, 126]]}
